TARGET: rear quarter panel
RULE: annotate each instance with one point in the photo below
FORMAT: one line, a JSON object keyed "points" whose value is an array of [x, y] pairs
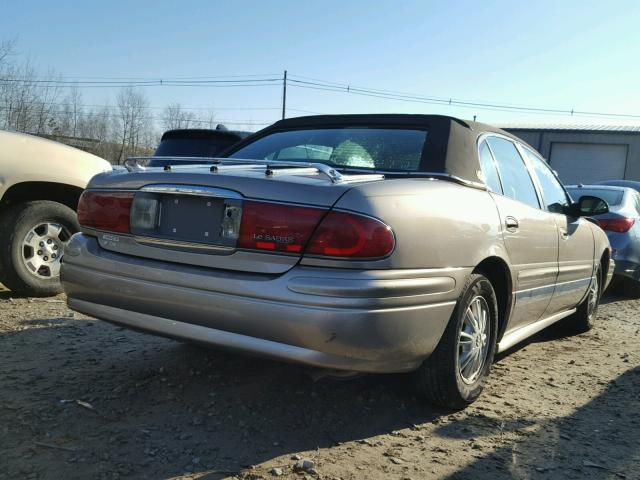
{"points": [[437, 224]]}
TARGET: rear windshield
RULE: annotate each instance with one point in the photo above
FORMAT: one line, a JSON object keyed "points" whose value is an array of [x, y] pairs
{"points": [[612, 197], [370, 148], [190, 147]]}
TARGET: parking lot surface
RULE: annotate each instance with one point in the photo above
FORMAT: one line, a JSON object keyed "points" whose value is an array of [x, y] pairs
{"points": [[80, 398]]}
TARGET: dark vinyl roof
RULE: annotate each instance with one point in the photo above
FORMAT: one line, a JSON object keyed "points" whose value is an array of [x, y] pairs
{"points": [[451, 146]]}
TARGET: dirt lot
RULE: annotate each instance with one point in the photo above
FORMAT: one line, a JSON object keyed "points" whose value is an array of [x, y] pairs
{"points": [[83, 399]]}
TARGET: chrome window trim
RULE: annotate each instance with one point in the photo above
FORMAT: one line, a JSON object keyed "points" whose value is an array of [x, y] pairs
{"points": [[486, 135], [495, 164], [522, 149]]}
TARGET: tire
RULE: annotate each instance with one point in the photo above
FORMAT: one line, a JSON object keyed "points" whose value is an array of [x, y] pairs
{"points": [[584, 319], [440, 379], [40, 220]]}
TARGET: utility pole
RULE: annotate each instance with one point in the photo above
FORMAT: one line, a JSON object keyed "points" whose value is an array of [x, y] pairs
{"points": [[284, 94]]}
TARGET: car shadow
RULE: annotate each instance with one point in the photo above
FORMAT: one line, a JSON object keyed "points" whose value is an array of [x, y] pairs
{"points": [[83, 398], [601, 439], [108, 398]]}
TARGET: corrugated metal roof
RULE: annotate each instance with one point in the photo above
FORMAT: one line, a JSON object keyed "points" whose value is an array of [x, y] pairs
{"points": [[577, 127]]}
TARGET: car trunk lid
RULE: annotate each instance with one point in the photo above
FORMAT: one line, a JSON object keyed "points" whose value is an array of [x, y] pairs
{"points": [[193, 214]]}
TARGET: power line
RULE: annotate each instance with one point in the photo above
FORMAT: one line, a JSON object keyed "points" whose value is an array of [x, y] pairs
{"points": [[158, 82], [154, 107], [299, 81], [153, 117], [416, 98], [83, 77]]}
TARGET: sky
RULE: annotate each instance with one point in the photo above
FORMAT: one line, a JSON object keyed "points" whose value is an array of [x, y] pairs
{"points": [[580, 55]]}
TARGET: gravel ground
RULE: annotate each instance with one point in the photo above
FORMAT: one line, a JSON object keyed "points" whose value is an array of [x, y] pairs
{"points": [[80, 398]]}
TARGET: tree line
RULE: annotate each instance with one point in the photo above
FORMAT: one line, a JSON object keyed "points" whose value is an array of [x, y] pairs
{"points": [[123, 127]]}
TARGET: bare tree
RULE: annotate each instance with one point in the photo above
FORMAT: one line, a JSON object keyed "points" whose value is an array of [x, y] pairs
{"points": [[47, 111], [132, 120], [174, 116], [207, 119], [7, 48]]}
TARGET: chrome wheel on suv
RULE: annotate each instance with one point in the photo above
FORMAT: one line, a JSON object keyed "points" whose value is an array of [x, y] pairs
{"points": [[42, 249], [33, 236]]}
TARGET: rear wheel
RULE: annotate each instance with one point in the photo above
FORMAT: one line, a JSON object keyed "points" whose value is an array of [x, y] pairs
{"points": [[32, 240], [454, 375]]}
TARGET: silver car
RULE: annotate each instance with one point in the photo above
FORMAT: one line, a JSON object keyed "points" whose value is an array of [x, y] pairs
{"points": [[622, 226], [367, 243]]}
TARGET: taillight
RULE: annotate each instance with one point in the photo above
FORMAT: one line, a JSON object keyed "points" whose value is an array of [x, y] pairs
{"points": [[619, 225], [105, 210], [343, 234], [276, 227]]}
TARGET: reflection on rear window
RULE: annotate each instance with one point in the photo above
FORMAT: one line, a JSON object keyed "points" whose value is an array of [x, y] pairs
{"points": [[373, 148], [612, 197]]}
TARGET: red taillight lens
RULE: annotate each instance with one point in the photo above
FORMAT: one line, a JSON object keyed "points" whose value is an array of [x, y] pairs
{"points": [[619, 225], [105, 210], [275, 227], [344, 234]]}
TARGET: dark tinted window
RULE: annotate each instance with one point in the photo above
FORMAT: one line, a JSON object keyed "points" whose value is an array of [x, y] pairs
{"points": [[489, 169], [374, 148], [612, 197], [516, 182], [555, 198], [191, 147]]}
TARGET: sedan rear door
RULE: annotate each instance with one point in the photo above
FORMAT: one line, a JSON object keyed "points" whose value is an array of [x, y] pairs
{"points": [[576, 244], [530, 233]]}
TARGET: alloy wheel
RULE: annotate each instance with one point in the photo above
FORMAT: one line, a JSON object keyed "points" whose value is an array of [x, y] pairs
{"points": [[473, 340], [594, 294]]}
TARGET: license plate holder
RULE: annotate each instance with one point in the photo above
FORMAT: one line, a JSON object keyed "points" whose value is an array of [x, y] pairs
{"points": [[189, 218], [179, 218]]}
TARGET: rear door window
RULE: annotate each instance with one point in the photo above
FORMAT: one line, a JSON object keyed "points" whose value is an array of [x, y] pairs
{"points": [[516, 181], [489, 168], [554, 196]]}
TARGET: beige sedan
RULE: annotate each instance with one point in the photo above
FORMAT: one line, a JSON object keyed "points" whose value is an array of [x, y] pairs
{"points": [[366, 243]]}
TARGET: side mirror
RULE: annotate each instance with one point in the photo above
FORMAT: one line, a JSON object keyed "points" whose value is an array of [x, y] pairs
{"points": [[588, 206]]}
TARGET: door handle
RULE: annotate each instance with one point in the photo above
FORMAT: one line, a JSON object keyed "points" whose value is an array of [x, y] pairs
{"points": [[511, 223], [564, 234]]}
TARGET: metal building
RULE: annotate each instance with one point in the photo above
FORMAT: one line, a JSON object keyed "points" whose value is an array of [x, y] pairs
{"points": [[586, 153]]}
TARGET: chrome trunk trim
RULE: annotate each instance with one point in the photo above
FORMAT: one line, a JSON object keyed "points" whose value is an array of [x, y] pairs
{"points": [[194, 190]]}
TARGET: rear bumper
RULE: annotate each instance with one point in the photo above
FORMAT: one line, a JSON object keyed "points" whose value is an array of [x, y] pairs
{"points": [[627, 269], [362, 320]]}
